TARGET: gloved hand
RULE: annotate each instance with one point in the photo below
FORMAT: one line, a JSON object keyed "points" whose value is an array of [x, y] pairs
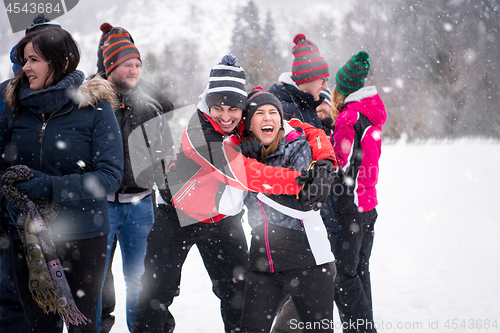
{"points": [[317, 184], [251, 149], [38, 187]]}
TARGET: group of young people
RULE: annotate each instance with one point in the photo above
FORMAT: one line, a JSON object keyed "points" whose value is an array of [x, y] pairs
{"points": [[68, 174]]}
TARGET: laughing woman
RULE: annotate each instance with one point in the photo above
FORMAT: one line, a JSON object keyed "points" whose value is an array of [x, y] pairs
{"points": [[290, 253], [59, 158]]}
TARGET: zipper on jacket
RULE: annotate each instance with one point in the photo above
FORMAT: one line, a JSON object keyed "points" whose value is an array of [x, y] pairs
{"points": [[319, 142], [42, 131], [195, 183], [266, 238]]}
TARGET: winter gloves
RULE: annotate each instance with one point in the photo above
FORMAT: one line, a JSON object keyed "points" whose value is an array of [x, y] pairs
{"points": [[317, 181], [317, 184], [38, 187], [251, 149]]}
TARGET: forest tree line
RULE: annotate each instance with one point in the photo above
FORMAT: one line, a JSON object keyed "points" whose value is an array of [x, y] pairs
{"points": [[434, 63]]}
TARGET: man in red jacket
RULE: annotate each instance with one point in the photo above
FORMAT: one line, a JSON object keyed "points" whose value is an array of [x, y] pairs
{"points": [[199, 208]]}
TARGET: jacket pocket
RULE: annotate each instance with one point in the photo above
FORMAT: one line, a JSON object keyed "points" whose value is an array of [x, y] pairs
{"points": [[185, 191]]}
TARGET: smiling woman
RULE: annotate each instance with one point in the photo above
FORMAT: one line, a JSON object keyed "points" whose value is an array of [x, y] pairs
{"points": [[36, 69], [41, 120], [264, 119], [265, 124], [289, 240]]}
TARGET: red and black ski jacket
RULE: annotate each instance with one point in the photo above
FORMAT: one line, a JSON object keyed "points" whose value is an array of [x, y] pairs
{"points": [[209, 159]]}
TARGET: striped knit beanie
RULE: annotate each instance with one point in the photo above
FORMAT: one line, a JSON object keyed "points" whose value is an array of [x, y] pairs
{"points": [[327, 96], [351, 77], [308, 64], [256, 98], [115, 47], [226, 85]]}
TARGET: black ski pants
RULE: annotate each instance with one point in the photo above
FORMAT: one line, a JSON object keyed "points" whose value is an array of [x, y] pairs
{"points": [[224, 252], [309, 288], [352, 248]]}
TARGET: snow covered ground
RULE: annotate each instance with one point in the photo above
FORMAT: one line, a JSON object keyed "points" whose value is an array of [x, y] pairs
{"points": [[435, 264]]}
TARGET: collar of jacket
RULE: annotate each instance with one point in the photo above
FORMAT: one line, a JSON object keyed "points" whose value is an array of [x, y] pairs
{"points": [[291, 89], [52, 98], [126, 99], [361, 94]]}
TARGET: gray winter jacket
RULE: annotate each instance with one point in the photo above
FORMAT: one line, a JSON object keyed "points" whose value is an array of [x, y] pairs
{"points": [[283, 235]]}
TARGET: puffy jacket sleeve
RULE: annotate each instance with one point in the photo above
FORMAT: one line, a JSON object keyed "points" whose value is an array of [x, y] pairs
{"points": [[106, 172], [320, 144], [230, 167]]}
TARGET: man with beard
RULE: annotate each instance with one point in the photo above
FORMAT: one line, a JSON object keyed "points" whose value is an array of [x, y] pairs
{"points": [[131, 207], [205, 184]]}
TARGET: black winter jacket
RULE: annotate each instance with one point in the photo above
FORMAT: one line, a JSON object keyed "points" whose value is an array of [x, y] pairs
{"points": [[296, 103], [143, 115]]}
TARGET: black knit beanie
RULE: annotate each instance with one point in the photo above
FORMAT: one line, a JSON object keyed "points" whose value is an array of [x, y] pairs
{"points": [[226, 85], [256, 98], [351, 77], [41, 22]]}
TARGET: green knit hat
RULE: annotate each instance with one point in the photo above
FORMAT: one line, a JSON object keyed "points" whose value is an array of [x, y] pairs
{"points": [[351, 77]]}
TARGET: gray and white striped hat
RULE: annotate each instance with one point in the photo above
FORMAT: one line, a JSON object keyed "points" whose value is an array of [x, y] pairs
{"points": [[226, 85], [327, 96]]}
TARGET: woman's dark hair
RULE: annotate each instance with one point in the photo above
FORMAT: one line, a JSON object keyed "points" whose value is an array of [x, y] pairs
{"points": [[57, 47], [273, 146]]}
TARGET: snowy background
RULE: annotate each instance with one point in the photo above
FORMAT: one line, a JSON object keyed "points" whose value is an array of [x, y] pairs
{"points": [[436, 255], [436, 252], [435, 64], [153, 24]]}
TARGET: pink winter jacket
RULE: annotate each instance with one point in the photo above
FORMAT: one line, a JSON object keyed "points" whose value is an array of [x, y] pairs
{"points": [[358, 140]]}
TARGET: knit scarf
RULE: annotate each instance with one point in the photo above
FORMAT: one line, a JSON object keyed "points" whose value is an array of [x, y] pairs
{"points": [[52, 98], [47, 281]]}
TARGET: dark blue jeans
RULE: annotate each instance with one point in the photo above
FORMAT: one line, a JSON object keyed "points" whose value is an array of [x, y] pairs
{"points": [[223, 248], [131, 223]]}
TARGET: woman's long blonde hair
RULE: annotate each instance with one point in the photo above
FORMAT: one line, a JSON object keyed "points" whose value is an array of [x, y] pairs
{"points": [[337, 103]]}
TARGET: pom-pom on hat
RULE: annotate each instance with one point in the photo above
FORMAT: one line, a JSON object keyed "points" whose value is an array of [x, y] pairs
{"points": [[41, 22], [327, 96], [115, 47], [308, 64], [351, 77], [226, 85], [256, 98]]}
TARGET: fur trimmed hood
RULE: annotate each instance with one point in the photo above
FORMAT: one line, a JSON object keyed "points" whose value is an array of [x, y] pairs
{"points": [[89, 93], [93, 91]]}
